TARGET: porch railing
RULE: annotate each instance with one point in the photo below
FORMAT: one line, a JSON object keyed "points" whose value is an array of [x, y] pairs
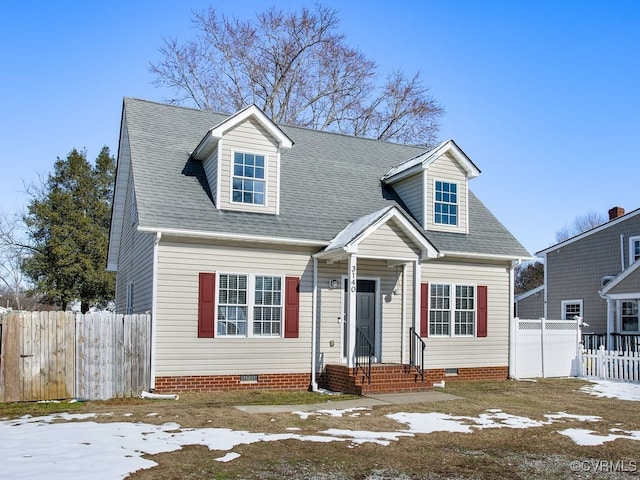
{"points": [[416, 352], [625, 342], [364, 354], [592, 341], [620, 342]]}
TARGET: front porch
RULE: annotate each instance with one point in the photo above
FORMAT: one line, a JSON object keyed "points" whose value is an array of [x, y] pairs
{"points": [[393, 378]]}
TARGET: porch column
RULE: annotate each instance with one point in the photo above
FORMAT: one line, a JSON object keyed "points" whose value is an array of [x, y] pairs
{"points": [[351, 310], [417, 276]]}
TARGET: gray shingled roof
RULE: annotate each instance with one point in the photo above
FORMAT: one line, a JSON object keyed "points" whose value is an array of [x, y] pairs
{"points": [[327, 181]]}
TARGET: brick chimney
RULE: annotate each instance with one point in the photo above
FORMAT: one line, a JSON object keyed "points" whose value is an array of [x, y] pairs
{"points": [[616, 212]]}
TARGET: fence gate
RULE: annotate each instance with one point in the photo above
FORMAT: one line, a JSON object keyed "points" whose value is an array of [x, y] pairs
{"points": [[38, 352], [58, 355], [545, 348]]}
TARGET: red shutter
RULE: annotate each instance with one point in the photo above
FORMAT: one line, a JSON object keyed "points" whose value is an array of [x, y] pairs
{"points": [[482, 311], [291, 307], [206, 305], [424, 309]]}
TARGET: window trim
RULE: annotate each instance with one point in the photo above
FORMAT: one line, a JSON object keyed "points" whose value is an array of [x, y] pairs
{"points": [[251, 283], [632, 241], [622, 330], [457, 204], [265, 180], [452, 310], [564, 303]]}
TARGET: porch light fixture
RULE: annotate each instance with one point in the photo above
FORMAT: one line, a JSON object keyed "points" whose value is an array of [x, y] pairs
{"points": [[333, 283]]}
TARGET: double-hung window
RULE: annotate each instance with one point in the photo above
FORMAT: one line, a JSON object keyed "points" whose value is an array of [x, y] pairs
{"points": [[452, 316], [571, 309], [446, 203], [630, 316], [248, 178], [249, 305]]}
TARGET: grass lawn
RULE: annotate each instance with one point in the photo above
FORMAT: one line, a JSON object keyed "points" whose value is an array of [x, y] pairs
{"points": [[538, 452]]}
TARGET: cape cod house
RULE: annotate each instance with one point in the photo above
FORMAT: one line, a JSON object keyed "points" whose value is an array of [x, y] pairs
{"points": [[281, 257]]}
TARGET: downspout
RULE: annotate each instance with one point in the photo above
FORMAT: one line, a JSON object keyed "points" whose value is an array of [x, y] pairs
{"points": [[314, 312], [512, 323], [545, 283], [154, 311]]}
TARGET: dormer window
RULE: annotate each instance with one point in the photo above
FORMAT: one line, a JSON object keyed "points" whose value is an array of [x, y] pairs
{"points": [[248, 178], [446, 203]]}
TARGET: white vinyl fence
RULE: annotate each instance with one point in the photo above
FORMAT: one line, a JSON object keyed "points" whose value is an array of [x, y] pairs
{"points": [[612, 365], [545, 348]]}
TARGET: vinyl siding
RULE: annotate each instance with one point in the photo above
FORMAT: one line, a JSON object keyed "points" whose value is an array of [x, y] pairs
{"points": [[135, 262], [446, 169], [390, 241], [575, 271], [531, 307], [249, 137], [459, 352], [630, 285], [211, 171], [180, 352], [388, 308], [411, 191]]}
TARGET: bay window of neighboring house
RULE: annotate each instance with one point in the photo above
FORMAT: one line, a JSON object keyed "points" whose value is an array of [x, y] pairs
{"points": [[571, 308], [452, 310], [629, 317], [248, 184], [249, 305]]}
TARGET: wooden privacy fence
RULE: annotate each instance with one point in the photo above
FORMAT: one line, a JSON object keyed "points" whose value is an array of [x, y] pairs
{"points": [[58, 355], [614, 365]]}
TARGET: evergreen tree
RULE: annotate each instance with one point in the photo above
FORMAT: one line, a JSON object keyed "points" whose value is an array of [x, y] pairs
{"points": [[68, 224], [529, 276]]}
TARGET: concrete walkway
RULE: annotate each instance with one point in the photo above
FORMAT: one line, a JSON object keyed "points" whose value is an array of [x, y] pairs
{"points": [[365, 401]]}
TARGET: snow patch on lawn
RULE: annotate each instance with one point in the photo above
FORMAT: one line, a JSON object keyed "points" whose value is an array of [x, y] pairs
{"points": [[611, 389], [590, 438]]}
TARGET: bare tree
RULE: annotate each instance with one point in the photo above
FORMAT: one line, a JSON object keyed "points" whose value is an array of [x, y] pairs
{"points": [[529, 276], [13, 250], [299, 71], [580, 224]]}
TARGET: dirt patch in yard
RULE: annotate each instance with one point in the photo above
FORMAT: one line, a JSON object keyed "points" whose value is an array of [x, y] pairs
{"points": [[486, 453]]}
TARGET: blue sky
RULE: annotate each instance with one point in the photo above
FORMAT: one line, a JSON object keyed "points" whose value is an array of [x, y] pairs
{"points": [[542, 95]]}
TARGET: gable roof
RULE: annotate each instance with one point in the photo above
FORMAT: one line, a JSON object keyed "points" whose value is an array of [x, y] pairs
{"points": [[327, 181], [360, 229], [425, 159], [590, 232], [629, 273], [214, 134], [528, 293]]}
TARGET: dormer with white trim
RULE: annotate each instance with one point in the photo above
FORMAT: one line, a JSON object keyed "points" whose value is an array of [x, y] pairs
{"points": [[241, 159], [434, 187]]}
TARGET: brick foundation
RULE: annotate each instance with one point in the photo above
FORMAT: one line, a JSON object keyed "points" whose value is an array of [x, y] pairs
{"points": [[338, 378], [212, 383]]}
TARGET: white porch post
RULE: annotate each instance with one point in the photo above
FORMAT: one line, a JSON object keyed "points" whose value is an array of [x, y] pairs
{"points": [[417, 275], [351, 310]]}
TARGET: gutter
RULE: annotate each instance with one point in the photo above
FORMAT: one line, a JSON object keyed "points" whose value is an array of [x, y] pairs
{"points": [[232, 236]]}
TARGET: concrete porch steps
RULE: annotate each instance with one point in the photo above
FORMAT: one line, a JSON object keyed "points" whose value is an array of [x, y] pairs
{"points": [[385, 378]]}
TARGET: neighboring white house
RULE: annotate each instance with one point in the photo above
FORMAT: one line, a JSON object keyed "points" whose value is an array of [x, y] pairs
{"points": [[269, 254]]}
